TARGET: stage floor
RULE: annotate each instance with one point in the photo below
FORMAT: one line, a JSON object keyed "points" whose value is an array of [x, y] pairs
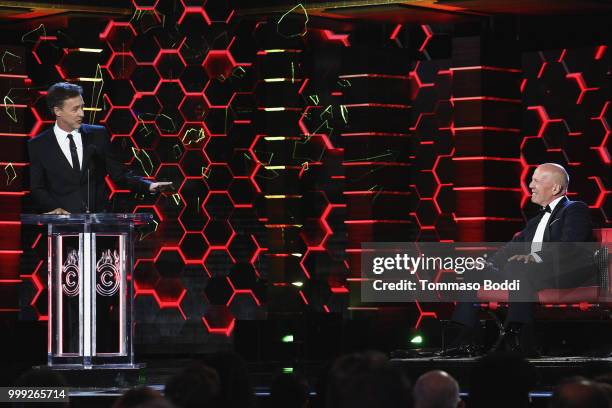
{"points": [[100, 387]]}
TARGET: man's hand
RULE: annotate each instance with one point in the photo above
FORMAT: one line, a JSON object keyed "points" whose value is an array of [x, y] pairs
{"points": [[160, 186], [59, 211], [522, 258]]}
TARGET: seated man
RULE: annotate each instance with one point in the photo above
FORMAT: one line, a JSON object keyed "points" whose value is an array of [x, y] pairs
{"points": [[560, 220]]}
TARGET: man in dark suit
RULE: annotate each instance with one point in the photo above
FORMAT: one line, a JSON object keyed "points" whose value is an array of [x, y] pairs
{"points": [[528, 258], [69, 161]]}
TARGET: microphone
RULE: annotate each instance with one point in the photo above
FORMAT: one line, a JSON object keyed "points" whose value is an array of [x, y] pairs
{"points": [[88, 191]]}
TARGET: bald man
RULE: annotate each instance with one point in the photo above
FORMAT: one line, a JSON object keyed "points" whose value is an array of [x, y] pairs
{"points": [[560, 220], [579, 393], [437, 389]]}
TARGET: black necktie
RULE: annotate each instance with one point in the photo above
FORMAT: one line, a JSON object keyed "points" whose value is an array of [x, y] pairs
{"points": [[546, 210], [73, 153]]}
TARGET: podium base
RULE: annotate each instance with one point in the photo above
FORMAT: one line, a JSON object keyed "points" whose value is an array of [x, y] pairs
{"points": [[94, 366], [102, 375]]}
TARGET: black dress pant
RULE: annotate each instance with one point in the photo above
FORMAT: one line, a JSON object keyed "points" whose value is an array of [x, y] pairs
{"points": [[521, 303]]}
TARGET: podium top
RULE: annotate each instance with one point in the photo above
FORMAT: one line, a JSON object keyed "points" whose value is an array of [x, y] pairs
{"points": [[93, 218]]}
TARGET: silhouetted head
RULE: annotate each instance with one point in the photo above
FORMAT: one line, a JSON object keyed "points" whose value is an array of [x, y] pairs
{"points": [[436, 389], [579, 393], [195, 386], [136, 396], [367, 380]]}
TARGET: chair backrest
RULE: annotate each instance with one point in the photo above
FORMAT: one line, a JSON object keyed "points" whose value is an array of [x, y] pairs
{"points": [[603, 259]]}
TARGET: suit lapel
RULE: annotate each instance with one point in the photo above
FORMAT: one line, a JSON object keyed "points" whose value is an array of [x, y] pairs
{"points": [[553, 217], [57, 155]]}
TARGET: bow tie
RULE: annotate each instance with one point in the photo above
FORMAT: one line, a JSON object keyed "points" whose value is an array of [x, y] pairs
{"points": [[546, 210]]}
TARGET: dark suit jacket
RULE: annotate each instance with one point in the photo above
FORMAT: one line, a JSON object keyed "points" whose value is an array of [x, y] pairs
{"points": [[55, 184], [570, 222]]}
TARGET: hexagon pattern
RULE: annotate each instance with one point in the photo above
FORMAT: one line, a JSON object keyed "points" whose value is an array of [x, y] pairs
{"points": [[278, 181]]}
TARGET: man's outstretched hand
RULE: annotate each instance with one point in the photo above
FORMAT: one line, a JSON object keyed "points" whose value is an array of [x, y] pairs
{"points": [[60, 211], [160, 186]]}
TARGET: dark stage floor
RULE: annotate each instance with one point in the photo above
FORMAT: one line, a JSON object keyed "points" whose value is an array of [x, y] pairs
{"points": [[100, 387]]}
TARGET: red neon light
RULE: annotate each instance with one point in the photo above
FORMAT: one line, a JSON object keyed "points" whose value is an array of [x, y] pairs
{"points": [[378, 222], [14, 164], [395, 32], [485, 68], [343, 38], [518, 190], [303, 297], [36, 240], [491, 128], [455, 218], [13, 193], [112, 24], [194, 10], [240, 291], [599, 52], [370, 163], [303, 86], [376, 192], [386, 134], [504, 159], [339, 289], [163, 304], [562, 55], [485, 98], [13, 76], [602, 192], [603, 153], [38, 125], [378, 105], [113, 189], [15, 134], [226, 331], [387, 76], [414, 75], [230, 16], [264, 52], [423, 314], [577, 76], [428, 34]]}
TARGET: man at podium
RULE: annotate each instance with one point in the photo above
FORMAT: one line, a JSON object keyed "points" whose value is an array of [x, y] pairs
{"points": [[69, 161]]}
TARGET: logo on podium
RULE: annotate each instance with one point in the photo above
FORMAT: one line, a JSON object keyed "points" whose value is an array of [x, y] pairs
{"points": [[70, 274], [107, 273]]}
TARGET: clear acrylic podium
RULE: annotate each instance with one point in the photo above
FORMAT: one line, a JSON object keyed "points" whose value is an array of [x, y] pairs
{"points": [[90, 261]]}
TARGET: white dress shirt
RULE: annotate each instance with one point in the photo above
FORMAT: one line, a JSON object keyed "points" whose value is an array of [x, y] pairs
{"points": [[64, 143], [536, 243]]}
